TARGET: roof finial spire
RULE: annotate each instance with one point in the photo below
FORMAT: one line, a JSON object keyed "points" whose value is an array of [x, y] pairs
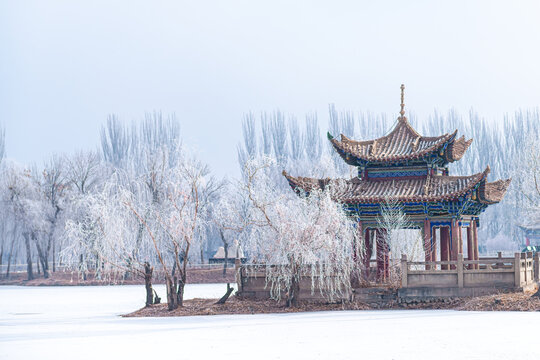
{"points": [[402, 112]]}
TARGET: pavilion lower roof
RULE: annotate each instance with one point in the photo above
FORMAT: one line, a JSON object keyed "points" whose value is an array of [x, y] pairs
{"points": [[492, 193], [402, 144], [421, 189]]}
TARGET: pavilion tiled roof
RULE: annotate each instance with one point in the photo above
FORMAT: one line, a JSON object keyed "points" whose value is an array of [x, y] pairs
{"points": [[387, 156], [421, 189], [402, 143]]}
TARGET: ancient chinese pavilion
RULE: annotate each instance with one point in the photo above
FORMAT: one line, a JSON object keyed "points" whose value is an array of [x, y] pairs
{"points": [[412, 170], [531, 230]]}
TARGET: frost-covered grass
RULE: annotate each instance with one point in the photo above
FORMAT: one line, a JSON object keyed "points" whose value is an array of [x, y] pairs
{"points": [[83, 323]]}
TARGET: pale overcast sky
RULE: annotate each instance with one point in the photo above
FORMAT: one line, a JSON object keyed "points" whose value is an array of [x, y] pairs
{"points": [[65, 65]]}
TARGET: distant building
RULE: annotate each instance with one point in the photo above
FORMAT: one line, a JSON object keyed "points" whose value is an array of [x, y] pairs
{"points": [[235, 251], [531, 230]]}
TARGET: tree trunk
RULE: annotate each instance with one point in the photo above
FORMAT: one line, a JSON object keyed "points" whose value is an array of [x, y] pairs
{"points": [[98, 269], [183, 277], [45, 267], [148, 270], [42, 257], [81, 262], [157, 299], [54, 255], [29, 271], [9, 265], [294, 287], [180, 292], [51, 243], [128, 273], [10, 256], [227, 294], [294, 291], [226, 250], [172, 296]]}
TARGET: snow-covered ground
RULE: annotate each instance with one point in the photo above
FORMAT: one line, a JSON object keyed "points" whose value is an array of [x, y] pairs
{"points": [[83, 323]]}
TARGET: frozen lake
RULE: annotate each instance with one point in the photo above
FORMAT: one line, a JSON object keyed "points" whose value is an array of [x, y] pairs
{"points": [[83, 323]]}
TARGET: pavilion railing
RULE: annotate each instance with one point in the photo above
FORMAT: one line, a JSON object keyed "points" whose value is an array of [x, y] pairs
{"points": [[505, 272]]}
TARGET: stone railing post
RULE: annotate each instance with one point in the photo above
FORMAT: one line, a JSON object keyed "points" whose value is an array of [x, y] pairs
{"points": [[460, 270], [524, 258], [404, 270], [536, 265], [517, 270], [499, 264]]}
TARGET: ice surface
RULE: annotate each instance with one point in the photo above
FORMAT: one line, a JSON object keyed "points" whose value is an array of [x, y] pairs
{"points": [[83, 323]]}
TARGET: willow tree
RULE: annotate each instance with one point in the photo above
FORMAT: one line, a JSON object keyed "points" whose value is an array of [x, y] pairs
{"points": [[104, 238], [298, 236]]}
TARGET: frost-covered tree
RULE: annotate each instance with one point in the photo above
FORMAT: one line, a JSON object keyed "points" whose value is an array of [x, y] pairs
{"points": [[296, 236], [36, 201], [115, 142], [140, 161], [142, 156], [119, 200], [53, 186], [139, 147], [10, 239], [104, 238], [24, 201], [84, 171], [85, 176], [230, 218], [292, 145], [528, 175], [176, 227]]}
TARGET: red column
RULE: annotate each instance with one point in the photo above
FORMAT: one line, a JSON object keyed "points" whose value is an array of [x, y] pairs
{"points": [[433, 246], [445, 245], [460, 238], [368, 251], [470, 244], [455, 244], [427, 242], [386, 253]]}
